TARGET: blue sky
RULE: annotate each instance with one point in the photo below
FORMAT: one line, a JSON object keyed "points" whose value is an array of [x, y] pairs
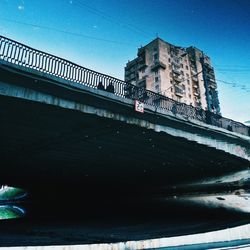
{"points": [[104, 34]]}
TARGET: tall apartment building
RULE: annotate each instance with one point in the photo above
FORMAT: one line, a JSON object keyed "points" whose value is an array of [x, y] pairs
{"points": [[182, 74]]}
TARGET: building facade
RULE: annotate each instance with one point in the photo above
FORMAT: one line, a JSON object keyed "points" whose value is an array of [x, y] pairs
{"points": [[182, 74]]}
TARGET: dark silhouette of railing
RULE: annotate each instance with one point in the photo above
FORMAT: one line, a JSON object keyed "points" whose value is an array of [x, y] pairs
{"points": [[20, 54]]}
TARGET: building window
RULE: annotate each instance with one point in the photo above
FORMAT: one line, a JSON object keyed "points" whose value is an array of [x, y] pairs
{"points": [[187, 75], [155, 57], [157, 87], [186, 67], [169, 60], [182, 72], [188, 81], [182, 65], [156, 79]]}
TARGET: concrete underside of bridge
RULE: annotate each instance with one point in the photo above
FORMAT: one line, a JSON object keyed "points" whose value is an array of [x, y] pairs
{"points": [[64, 157], [47, 147], [43, 146]]}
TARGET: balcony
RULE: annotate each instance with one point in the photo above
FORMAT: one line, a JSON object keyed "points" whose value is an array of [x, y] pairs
{"points": [[141, 59], [176, 64], [195, 86], [141, 82], [194, 72], [142, 65], [195, 78], [130, 77], [196, 93], [158, 64], [210, 74], [179, 91], [177, 78], [208, 65], [176, 71], [211, 79], [212, 84]]}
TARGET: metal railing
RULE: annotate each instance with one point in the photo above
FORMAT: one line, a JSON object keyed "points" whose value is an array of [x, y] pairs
{"points": [[20, 54]]}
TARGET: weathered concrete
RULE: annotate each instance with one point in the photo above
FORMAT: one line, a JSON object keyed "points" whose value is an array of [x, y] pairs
{"points": [[56, 129]]}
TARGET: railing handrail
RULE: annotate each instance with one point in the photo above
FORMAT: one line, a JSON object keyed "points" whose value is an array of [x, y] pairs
{"points": [[24, 55], [60, 58]]}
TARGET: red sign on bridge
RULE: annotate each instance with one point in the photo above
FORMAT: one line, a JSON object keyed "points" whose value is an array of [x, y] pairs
{"points": [[139, 106]]}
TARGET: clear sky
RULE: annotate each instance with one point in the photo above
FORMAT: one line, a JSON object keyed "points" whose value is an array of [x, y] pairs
{"points": [[104, 34]]}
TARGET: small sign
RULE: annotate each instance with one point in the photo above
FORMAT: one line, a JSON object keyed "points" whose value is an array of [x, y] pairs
{"points": [[139, 106]]}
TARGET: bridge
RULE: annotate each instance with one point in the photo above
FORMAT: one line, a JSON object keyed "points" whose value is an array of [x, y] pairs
{"points": [[58, 126]]}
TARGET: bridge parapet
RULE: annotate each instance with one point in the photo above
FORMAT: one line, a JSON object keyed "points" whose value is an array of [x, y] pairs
{"points": [[20, 54]]}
